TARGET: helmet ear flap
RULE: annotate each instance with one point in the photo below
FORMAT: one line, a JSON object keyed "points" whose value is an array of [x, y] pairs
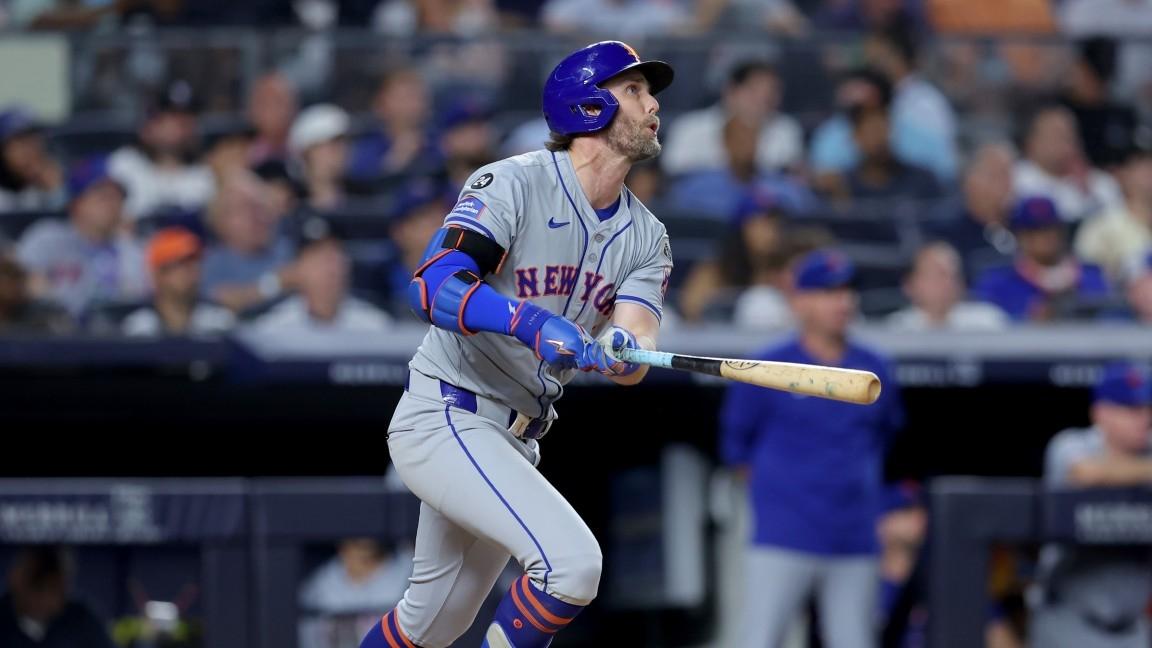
{"points": [[589, 121]]}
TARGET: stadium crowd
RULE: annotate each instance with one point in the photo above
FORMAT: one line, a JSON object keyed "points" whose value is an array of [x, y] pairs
{"points": [[299, 212]]}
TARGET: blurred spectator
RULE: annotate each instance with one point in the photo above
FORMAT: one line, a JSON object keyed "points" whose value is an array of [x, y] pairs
{"points": [[902, 530], [21, 314], [528, 136], [1054, 166], [779, 16], [318, 145], [1139, 290], [936, 287], [1045, 282], [399, 142], [459, 17], [776, 16], [284, 192], [29, 177], [751, 253], [1122, 233], [38, 610], [763, 304], [1122, 19], [417, 213], [90, 258], [1098, 596], [880, 174], [362, 577], [869, 15], [466, 139], [917, 106], [322, 303], [161, 170], [980, 231], [250, 262], [272, 107], [832, 147], [1106, 128], [228, 152], [753, 95], [645, 182], [174, 256], [814, 471], [620, 18], [341, 598], [716, 193]]}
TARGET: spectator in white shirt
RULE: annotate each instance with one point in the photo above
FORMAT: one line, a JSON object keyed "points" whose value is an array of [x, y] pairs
{"points": [[1054, 166], [322, 303], [752, 95], [162, 170], [935, 286], [174, 261]]}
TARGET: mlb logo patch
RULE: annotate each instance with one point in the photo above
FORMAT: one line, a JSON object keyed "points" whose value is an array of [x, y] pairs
{"points": [[469, 207]]}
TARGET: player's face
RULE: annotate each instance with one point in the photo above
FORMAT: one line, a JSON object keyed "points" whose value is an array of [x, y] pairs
{"points": [[633, 132], [1125, 428]]}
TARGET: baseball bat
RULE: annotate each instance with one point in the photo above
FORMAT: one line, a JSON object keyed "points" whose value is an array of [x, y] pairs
{"points": [[835, 383]]}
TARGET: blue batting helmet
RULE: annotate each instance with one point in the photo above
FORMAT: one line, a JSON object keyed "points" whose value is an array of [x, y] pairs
{"points": [[575, 84]]}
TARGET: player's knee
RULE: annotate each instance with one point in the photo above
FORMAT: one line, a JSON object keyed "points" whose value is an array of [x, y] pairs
{"points": [[577, 577]]}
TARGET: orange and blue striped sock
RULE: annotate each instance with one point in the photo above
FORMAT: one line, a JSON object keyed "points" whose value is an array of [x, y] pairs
{"points": [[529, 617], [387, 634]]}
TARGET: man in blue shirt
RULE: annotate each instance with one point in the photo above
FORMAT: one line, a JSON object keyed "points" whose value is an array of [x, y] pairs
{"points": [[1045, 282], [815, 472]]}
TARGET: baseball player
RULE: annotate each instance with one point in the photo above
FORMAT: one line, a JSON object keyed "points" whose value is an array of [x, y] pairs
{"points": [[546, 265], [814, 470]]}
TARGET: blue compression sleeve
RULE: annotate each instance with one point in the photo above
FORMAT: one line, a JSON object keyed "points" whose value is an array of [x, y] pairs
{"points": [[486, 309]]}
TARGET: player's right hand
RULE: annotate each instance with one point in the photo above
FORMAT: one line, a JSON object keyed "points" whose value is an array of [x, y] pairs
{"points": [[557, 340], [554, 339]]}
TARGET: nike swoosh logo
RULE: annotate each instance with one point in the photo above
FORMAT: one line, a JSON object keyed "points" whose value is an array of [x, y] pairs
{"points": [[554, 225]]}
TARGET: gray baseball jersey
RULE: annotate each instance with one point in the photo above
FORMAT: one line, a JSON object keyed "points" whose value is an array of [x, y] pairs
{"points": [[562, 257]]}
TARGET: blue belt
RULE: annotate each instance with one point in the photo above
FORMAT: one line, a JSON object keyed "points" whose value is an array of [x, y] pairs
{"points": [[521, 425]]}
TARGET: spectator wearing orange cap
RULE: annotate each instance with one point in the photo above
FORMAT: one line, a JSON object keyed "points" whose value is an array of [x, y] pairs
{"points": [[176, 309]]}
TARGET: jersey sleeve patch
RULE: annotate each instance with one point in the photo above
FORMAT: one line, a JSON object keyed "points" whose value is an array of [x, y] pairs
{"points": [[469, 207]]}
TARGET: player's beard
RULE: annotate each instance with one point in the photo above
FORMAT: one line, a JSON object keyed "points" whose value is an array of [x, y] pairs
{"points": [[633, 139]]}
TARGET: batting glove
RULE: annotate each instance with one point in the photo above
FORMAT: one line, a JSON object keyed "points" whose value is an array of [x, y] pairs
{"points": [[554, 339], [614, 339]]}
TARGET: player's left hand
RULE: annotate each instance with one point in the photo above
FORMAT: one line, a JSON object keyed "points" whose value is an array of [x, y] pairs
{"points": [[614, 339], [593, 357]]}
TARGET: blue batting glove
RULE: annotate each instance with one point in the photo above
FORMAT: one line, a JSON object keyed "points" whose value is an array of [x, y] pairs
{"points": [[614, 339], [555, 340]]}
